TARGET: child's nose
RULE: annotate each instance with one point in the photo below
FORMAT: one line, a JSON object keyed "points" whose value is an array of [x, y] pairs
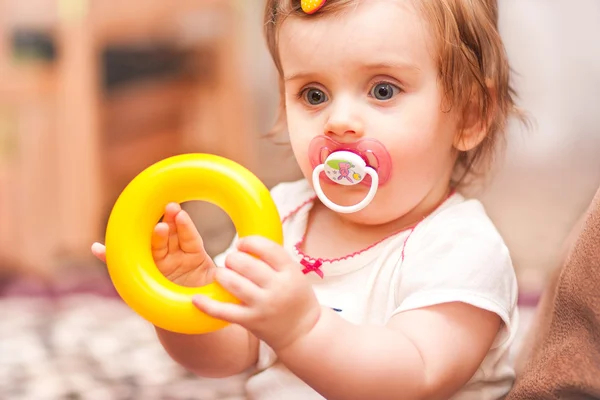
{"points": [[344, 120]]}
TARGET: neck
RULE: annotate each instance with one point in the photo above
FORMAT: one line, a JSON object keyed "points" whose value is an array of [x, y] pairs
{"points": [[344, 236], [424, 208]]}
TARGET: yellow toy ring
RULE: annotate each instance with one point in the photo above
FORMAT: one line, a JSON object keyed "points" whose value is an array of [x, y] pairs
{"points": [[140, 206]]}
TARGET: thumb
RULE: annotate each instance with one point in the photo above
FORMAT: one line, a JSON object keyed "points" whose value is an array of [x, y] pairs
{"points": [[99, 251]]}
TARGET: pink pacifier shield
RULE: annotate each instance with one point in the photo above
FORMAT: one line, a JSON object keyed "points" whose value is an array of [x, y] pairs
{"points": [[371, 151]]}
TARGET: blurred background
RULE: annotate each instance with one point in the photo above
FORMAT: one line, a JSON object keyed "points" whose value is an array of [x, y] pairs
{"points": [[94, 91]]}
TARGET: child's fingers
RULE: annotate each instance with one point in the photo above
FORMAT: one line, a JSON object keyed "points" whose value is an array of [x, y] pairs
{"points": [[171, 211], [99, 251], [233, 313], [270, 252], [250, 267], [189, 238], [160, 241], [240, 287]]}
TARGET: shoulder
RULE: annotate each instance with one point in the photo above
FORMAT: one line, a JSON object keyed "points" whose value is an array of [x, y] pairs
{"points": [[457, 254], [460, 231], [289, 196], [462, 225], [460, 214]]}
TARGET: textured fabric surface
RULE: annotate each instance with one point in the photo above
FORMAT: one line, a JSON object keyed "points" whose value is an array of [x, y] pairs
{"points": [[563, 349], [91, 347]]}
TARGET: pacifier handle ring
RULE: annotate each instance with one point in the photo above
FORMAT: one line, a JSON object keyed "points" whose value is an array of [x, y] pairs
{"points": [[345, 209]]}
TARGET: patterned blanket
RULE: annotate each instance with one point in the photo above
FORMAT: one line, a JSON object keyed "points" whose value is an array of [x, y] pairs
{"points": [[91, 347]]}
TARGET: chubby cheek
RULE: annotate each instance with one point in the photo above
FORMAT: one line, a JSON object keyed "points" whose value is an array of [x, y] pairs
{"points": [[422, 157], [300, 135], [300, 148], [302, 129]]}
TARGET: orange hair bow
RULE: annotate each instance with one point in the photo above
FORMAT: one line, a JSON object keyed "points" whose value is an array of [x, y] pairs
{"points": [[312, 6]]}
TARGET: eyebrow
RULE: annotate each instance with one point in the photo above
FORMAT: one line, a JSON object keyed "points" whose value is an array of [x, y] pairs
{"points": [[401, 66], [405, 66]]}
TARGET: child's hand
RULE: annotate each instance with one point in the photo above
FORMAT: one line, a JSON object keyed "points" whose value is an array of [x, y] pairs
{"points": [[177, 250], [278, 304]]}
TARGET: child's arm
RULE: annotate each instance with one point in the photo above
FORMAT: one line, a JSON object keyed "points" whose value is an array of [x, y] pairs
{"points": [[422, 354], [179, 254], [223, 353]]}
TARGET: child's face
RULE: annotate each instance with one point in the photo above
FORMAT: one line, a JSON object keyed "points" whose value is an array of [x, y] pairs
{"points": [[370, 72]]}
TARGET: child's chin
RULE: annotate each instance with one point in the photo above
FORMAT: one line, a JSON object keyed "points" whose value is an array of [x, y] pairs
{"points": [[369, 216]]}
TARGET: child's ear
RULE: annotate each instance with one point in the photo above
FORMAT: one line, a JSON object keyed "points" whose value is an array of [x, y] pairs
{"points": [[474, 125]]}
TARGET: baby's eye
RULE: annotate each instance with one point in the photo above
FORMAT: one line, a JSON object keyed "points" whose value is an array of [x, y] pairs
{"points": [[315, 96], [384, 91]]}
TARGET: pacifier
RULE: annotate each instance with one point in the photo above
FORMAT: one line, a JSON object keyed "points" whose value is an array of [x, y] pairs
{"points": [[364, 162]]}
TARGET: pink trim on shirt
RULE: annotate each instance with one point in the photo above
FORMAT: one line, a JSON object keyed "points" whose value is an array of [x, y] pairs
{"points": [[312, 264], [295, 210], [406, 240], [356, 253]]}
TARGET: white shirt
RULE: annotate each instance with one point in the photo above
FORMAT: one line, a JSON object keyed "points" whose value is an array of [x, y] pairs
{"points": [[454, 254]]}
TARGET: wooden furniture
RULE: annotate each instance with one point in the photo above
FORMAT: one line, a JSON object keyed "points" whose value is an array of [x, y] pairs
{"points": [[68, 146]]}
